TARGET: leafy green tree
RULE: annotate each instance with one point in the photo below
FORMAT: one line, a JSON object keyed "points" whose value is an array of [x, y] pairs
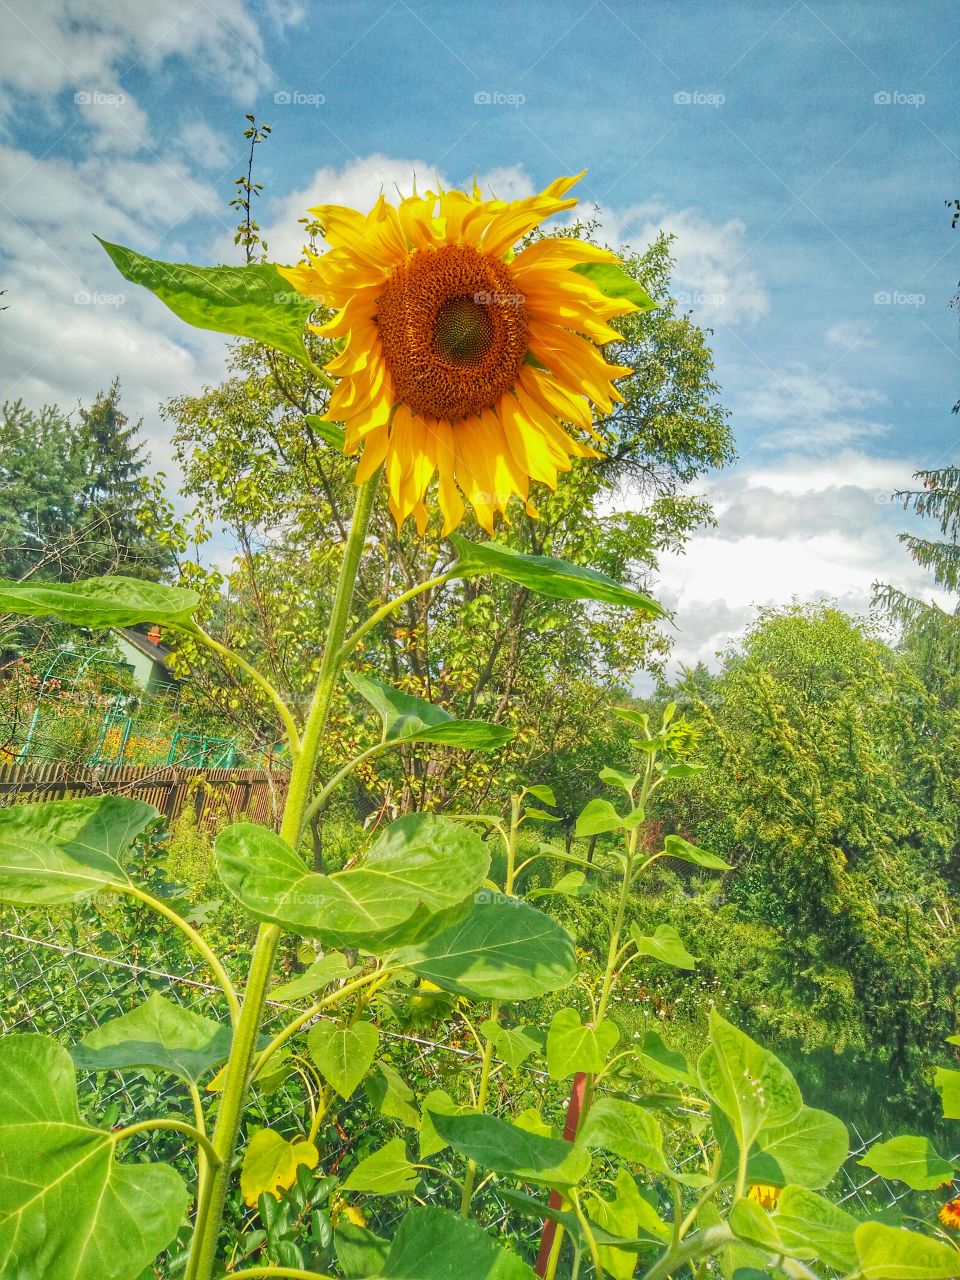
{"points": [[832, 787], [926, 625], [69, 491]]}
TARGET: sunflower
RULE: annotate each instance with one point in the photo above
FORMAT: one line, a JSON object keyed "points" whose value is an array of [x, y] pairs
{"points": [[950, 1215], [461, 358], [763, 1195]]}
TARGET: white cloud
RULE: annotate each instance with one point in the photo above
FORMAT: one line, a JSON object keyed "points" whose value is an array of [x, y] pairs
{"points": [[204, 147], [848, 334], [88, 46], [711, 276], [825, 531], [73, 322]]}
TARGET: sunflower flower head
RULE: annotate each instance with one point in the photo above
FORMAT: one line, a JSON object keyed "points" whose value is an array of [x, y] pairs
{"points": [[950, 1214], [764, 1195], [462, 361]]}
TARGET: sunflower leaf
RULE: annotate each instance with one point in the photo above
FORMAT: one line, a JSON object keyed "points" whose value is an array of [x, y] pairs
{"points": [[332, 435], [68, 1207], [409, 719], [248, 302], [100, 602], [549, 577], [613, 282]]}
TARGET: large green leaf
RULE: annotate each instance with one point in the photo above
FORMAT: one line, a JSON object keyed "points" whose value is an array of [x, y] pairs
{"points": [[614, 282], [628, 1131], [750, 1085], [391, 1095], [435, 1244], [249, 302], [663, 1062], [157, 1034], [574, 1046], [597, 817], [889, 1253], [505, 1148], [343, 1054], [409, 719], [513, 1045], [909, 1159], [100, 602], [947, 1084], [749, 1223], [503, 950], [387, 1172], [328, 969], [677, 847], [805, 1151], [64, 850], [664, 944], [545, 575], [360, 1252], [439, 1101], [67, 1208], [804, 1218], [414, 881]]}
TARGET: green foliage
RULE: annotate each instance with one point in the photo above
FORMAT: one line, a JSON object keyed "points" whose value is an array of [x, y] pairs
{"points": [[67, 1207], [251, 302], [69, 492], [159, 1035], [65, 850], [501, 950], [832, 788], [413, 881]]}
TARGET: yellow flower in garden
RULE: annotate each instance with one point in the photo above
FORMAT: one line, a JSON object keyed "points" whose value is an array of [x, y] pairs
{"points": [[462, 358], [950, 1215], [763, 1195]]}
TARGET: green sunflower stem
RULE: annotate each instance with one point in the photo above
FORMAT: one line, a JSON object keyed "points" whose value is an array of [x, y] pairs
{"points": [[211, 1202]]}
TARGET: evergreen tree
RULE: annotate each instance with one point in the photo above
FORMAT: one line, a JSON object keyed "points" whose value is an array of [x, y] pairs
{"points": [[69, 493]]}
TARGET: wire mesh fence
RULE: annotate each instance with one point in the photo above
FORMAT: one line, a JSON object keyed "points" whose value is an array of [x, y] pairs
{"points": [[62, 973]]}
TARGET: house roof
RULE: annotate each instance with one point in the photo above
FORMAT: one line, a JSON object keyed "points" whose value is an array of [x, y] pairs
{"points": [[155, 652]]}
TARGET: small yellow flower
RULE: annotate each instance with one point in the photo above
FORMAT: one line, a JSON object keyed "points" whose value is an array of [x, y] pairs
{"points": [[950, 1215], [763, 1195], [341, 1211], [462, 357]]}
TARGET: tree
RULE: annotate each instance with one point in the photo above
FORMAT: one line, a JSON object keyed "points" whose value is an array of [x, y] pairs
{"points": [[70, 491], [253, 460], [832, 786]]}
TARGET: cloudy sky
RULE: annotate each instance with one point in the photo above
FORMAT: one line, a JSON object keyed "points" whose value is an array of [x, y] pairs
{"points": [[801, 153]]}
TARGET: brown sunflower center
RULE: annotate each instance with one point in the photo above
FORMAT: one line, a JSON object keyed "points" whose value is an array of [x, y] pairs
{"points": [[453, 328], [463, 331]]}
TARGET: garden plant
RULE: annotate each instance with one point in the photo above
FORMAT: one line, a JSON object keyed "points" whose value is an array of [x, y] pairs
{"points": [[460, 357]]}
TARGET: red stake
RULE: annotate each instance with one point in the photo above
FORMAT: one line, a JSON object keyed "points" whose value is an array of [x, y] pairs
{"points": [[570, 1127]]}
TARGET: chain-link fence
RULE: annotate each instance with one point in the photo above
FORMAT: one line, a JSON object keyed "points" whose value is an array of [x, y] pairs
{"points": [[63, 973]]}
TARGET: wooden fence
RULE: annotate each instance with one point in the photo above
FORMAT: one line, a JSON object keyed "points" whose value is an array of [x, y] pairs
{"points": [[218, 795]]}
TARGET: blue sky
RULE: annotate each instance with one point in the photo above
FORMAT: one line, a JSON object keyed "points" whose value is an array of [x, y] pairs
{"points": [[800, 152]]}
